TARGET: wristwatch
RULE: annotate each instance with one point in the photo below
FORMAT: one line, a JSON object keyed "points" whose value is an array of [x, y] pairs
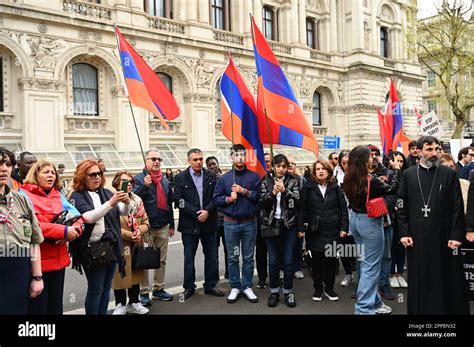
{"points": [[37, 278]]}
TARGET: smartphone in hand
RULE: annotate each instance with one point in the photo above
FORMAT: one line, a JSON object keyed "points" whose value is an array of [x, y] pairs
{"points": [[124, 186]]}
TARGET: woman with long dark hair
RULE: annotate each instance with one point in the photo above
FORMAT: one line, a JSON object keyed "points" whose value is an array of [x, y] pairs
{"points": [[368, 232]]}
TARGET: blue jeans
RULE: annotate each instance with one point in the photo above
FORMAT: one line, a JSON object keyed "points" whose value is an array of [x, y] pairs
{"points": [[99, 283], [298, 253], [384, 276], [281, 251], [209, 248], [240, 239], [368, 232]]}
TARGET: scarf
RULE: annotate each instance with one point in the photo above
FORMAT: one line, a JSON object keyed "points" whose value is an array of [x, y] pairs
{"points": [[160, 193], [137, 210]]}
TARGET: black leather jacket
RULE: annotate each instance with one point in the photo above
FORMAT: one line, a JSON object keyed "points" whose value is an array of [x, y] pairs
{"points": [[288, 202]]}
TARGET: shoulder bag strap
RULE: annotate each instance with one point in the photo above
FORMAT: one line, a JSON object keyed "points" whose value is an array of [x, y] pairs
{"points": [[368, 188]]}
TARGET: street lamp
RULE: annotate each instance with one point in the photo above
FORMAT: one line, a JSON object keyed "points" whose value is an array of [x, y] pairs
{"points": [[468, 130]]}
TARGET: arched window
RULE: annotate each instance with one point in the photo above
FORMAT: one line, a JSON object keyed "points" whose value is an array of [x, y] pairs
{"points": [[316, 108], [85, 89], [167, 80], [384, 42]]}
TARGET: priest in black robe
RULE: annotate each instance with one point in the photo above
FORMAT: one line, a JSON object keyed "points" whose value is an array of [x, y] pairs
{"points": [[432, 228]]}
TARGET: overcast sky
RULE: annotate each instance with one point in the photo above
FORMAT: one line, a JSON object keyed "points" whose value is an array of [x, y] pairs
{"points": [[427, 8]]}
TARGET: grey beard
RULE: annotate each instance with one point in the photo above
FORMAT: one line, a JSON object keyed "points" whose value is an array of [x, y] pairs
{"points": [[430, 163]]}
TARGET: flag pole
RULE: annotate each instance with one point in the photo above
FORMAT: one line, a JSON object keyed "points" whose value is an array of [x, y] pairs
{"points": [[231, 118], [128, 97], [269, 132]]}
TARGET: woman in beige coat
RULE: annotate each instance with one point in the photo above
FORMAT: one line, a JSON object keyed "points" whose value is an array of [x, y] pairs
{"points": [[133, 226]]}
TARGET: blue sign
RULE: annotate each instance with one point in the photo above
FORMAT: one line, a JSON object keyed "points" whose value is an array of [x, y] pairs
{"points": [[332, 142]]}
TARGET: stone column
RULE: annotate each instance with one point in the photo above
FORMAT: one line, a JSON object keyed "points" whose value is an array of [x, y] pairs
{"points": [[302, 21], [192, 10], [357, 26], [204, 12], [333, 34]]}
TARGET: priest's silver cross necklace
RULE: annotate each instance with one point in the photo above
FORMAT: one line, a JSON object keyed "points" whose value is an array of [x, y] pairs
{"points": [[426, 209]]}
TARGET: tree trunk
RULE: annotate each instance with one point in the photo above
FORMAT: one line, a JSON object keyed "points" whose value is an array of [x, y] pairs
{"points": [[458, 128]]}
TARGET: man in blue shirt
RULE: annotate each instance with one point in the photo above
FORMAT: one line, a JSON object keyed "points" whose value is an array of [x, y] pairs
{"points": [[237, 193]]}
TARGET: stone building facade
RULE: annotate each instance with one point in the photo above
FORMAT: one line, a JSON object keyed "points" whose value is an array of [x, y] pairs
{"points": [[62, 93]]}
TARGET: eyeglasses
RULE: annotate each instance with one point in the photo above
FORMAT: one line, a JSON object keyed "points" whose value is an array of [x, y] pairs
{"points": [[95, 174], [292, 163], [155, 159]]}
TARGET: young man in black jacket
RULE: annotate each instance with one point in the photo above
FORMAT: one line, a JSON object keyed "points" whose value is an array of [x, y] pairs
{"points": [[193, 195]]}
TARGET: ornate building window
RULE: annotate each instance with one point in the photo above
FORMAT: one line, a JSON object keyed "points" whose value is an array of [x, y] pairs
{"points": [[270, 23], [316, 108], [167, 80], [159, 8], [432, 106], [85, 89], [431, 79], [220, 14], [311, 33], [384, 42]]}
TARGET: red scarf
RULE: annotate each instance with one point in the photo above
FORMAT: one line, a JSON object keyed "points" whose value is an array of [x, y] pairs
{"points": [[160, 193]]}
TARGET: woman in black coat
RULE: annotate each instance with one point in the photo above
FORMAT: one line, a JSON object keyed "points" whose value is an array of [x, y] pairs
{"points": [[323, 208]]}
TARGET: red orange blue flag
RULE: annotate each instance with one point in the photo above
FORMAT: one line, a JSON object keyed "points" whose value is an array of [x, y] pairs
{"points": [[143, 86], [276, 99], [239, 117]]}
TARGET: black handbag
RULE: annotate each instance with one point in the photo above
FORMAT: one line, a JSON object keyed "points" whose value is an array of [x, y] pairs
{"points": [[97, 254], [270, 230], [146, 257], [314, 226]]}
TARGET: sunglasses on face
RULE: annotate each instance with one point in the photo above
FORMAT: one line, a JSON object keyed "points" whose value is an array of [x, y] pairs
{"points": [[95, 174], [155, 159]]}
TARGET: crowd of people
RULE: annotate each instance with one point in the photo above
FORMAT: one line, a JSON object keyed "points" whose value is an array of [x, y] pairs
{"points": [[386, 210]]}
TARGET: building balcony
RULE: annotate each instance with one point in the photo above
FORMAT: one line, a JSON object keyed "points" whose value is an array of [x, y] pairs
{"points": [[389, 63], [319, 130], [93, 11], [279, 47], [318, 55], [86, 123], [175, 128], [228, 37], [166, 25]]}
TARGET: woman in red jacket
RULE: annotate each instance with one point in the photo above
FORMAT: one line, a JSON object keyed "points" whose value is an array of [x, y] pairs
{"points": [[42, 186]]}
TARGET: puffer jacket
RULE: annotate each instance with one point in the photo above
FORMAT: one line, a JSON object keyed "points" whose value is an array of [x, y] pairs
{"points": [[289, 201], [53, 256], [334, 216]]}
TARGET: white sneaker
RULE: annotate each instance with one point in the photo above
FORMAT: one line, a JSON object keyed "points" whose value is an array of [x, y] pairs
{"points": [[137, 308], [394, 282], [346, 282], [384, 309], [120, 310], [250, 295], [403, 283], [233, 296], [299, 275]]}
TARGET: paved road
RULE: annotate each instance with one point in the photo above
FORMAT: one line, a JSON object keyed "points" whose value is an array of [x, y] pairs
{"points": [[75, 290]]}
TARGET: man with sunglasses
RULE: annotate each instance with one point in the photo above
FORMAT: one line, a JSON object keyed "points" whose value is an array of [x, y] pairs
{"points": [[154, 189], [193, 195]]}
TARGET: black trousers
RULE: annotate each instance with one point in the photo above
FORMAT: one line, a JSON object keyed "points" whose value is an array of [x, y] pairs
{"points": [[15, 279], [261, 256], [323, 271], [121, 295], [220, 234], [348, 262], [51, 299]]}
